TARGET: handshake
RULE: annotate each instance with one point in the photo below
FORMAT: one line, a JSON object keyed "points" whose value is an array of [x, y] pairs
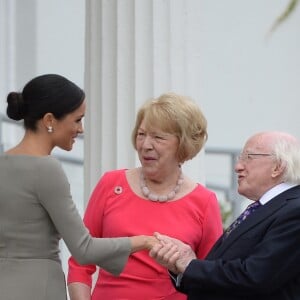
{"points": [[171, 253]]}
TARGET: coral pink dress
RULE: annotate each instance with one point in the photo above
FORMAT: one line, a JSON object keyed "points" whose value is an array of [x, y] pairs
{"points": [[114, 210]]}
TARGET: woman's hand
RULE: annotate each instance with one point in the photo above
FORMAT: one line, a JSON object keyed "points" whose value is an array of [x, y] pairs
{"points": [[142, 242], [172, 253]]}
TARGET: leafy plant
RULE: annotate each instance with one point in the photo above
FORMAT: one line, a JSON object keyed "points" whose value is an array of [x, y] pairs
{"points": [[286, 13]]}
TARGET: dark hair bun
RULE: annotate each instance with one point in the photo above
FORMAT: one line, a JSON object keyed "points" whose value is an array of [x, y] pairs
{"points": [[15, 106]]}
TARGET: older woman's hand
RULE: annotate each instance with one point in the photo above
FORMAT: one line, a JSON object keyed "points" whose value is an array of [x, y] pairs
{"points": [[172, 253]]}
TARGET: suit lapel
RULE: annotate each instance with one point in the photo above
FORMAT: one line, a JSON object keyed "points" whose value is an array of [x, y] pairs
{"points": [[253, 220]]}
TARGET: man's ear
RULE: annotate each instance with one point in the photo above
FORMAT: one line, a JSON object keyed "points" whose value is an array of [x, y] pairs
{"points": [[278, 169]]}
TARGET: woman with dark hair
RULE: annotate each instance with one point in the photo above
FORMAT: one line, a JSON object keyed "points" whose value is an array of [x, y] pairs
{"points": [[36, 207]]}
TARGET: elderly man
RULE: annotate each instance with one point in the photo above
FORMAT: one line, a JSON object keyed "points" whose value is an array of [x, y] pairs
{"points": [[258, 256]]}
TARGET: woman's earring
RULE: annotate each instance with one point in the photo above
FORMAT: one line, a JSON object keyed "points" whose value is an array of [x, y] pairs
{"points": [[50, 129]]}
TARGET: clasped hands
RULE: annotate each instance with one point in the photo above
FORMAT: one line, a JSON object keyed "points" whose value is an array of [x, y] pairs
{"points": [[171, 253]]}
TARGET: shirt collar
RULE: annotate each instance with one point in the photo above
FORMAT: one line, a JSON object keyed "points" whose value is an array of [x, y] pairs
{"points": [[274, 191]]}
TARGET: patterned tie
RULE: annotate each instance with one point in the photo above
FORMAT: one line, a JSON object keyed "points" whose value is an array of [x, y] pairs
{"points": [[249, 210]]}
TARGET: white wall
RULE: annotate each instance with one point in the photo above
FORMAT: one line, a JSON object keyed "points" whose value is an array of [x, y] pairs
{"points": [[245, 80], [39, 36], [60, 37]]}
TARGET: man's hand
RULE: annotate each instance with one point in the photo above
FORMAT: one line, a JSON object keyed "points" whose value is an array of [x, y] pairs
{"points": [[172, 253]]}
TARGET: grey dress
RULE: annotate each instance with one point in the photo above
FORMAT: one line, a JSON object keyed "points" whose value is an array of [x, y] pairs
{"points": [[36, 210]]}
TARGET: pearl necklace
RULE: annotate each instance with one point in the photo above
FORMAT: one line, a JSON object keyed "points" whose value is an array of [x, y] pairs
{"points": [[160, 198]]}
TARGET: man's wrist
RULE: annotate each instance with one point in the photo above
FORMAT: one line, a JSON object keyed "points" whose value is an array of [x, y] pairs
{"points": [[181, 266]]}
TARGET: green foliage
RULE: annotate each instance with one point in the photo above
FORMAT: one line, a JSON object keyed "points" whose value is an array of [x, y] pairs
{"points": [[226, 212], [286, 13]]}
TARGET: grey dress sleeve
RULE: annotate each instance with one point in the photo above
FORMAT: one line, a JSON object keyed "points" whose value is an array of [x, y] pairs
{"points": [[53, 191]]}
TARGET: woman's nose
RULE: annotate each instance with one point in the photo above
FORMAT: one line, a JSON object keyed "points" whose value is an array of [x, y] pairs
{"points": [[148, 142], [80, 128]]}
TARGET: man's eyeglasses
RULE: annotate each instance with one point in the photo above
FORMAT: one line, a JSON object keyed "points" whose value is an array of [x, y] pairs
{"points": [[251, 156]]}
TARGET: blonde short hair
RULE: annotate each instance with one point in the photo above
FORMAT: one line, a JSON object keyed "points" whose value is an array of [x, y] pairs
{"points": [[178, 115]]}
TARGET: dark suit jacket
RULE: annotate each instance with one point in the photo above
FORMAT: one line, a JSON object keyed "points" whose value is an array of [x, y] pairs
{"points": [[260, 260]]}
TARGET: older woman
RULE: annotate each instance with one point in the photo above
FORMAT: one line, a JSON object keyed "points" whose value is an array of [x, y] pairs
{"points": [[156, 196]]}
